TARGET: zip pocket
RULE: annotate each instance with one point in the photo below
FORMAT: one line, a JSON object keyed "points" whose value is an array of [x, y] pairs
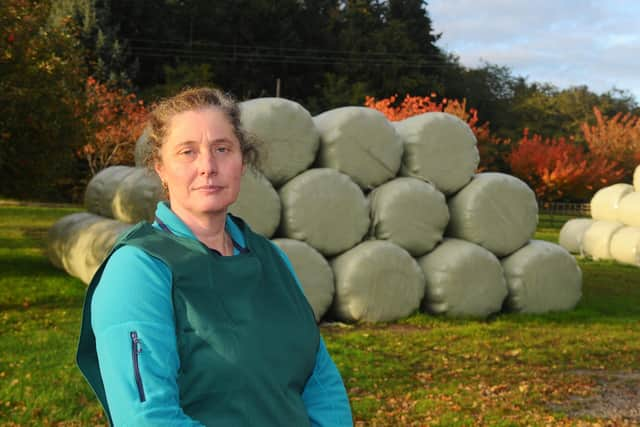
{"points": [[136, 349]]}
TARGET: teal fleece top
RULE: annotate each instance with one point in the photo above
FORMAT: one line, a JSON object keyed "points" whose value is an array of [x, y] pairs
{"points": [[135, 294]]}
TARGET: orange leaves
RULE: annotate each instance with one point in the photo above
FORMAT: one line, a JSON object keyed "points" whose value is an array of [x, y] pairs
{"points": [[616, 138], [114, 119], [557, 168]]}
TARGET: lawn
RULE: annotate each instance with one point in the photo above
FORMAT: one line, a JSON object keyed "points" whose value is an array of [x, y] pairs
{"points": [[510, 370]]}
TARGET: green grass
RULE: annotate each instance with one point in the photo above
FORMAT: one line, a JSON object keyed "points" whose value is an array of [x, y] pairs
{"points": [[424, 370]]}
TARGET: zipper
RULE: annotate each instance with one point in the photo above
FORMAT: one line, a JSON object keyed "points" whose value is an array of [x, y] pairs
{"points": [[136, 349]]}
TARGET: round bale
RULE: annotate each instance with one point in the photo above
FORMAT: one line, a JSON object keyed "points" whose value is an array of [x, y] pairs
{"points": [[410, 213], [359, 142], [625, 245], [596, 240], [636, 178], [62, 231], [90, 246], [628, 211], [462, 279], [286, 131], [496, 211], [439, 148], [605, 203], [101, 190], [142, 149], [377, 281], [542, 277], [258, 203], [572, 232], [314, 273], [325, 209], [136, 196]]}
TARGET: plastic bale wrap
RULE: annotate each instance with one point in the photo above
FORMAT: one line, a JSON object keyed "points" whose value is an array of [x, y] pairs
{"points": [[89, 246], [359, 142], [410, 213], [542, 277], [313, 272], [258, 203], [628, 211], [596, 241], [377, 281], [636, 178], [286, 130], [625, 245], [462, 279], [439, 148], [496, 211], [142, 148], [136, 196], [62, 231], [325, 209], [605, 203], [102, 188], [572, 232]]}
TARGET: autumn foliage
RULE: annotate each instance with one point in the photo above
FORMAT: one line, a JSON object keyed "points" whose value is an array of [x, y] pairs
{"points": [[557, 168], [114, 120], [616, 138]]}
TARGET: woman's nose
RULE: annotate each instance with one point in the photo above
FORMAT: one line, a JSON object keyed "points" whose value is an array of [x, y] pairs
{"points": [[207, 163]]}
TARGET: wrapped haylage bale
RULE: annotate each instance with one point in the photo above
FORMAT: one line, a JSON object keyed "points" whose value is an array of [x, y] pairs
{"points": [[572, 232], [136, 196], [596, 240], [439, 148], [142, 148], [542, 277], [101, 190], [377, 281], [628, 211], [605, 203], [287, 133], [636, 178], [410, 213], [89, 246], [62, 232], [258, 203], [625, 245], [359, 142], [496, 211], [325, 209], [462, 279], [313, 272]]}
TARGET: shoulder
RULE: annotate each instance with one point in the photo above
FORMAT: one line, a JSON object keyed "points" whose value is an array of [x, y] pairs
{"points": [[132, 283]]}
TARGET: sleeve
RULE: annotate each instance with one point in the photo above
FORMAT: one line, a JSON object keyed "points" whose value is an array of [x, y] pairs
{"points": [[324, 395], [132, 320]]}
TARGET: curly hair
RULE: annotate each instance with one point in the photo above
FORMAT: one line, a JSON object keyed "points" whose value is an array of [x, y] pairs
{"points": [[162, 112]]}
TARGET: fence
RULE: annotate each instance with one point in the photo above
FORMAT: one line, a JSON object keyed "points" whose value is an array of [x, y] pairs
{"points": [[554, 215]]}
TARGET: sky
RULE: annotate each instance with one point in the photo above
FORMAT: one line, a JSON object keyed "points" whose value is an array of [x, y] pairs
{"points": [[563, 42]]}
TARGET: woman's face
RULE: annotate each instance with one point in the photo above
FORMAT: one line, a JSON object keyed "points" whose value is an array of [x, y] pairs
{"points": [[201, 163]]}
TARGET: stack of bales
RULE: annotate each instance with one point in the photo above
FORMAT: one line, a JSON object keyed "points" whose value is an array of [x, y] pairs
{"points": [[613, 232], [379, 219]]}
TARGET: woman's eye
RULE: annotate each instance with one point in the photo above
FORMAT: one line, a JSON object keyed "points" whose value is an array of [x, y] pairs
{"points": [[222, 149], [185, 152]]}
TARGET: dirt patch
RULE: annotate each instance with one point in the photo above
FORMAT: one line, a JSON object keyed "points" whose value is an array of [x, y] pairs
{"points": [[616, 397]]}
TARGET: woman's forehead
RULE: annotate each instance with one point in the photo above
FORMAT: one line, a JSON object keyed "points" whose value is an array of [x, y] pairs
{"points": [[210, 123]]}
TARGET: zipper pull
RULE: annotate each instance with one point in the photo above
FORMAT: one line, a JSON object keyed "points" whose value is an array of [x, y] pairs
{"points": [[136, 342]]}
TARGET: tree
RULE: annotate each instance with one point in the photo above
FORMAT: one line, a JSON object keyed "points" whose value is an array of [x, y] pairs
{"points": [[114, 119], [616, 138], [41, 86], [559, 169]]}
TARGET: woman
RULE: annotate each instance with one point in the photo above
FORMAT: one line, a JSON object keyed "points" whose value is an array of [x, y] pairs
{"points": [[195, 319]]}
